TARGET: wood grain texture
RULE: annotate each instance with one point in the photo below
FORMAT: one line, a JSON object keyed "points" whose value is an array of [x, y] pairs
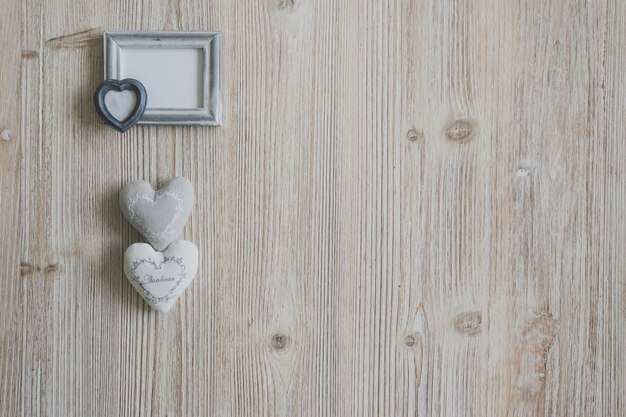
{"points": [[414, 208]]}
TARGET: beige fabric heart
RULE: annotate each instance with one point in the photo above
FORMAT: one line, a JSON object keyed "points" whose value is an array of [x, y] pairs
{"points": [[161, 277], [159, 216]]}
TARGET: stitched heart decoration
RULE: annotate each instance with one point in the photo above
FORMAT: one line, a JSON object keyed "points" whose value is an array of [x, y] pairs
{"points": [[121, 103], [159, 216], [161, 277]]}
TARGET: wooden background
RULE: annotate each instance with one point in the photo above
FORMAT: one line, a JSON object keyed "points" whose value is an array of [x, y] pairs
{"points": [[413, 208]]}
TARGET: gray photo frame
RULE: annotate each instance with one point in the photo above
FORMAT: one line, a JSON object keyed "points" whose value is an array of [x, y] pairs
{"points": [[182, 73]]}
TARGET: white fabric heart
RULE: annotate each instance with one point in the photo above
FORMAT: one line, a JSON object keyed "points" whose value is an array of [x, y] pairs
{"points": [[161, 277]]}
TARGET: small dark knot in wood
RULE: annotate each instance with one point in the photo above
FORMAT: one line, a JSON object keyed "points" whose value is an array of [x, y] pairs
{"points": [[285, 4], [414, 135], [30, 54], [409, 340], [280, 341], [461, 130], [6, 135], [469, 323], [26, 268]]}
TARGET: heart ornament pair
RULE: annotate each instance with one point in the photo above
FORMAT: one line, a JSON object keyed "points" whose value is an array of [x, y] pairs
{"points": [[162, 269]]}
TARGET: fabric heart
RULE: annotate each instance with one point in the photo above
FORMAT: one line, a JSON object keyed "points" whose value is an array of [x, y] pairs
{"points": [[161, 277], [120, 103], [159, 216]]}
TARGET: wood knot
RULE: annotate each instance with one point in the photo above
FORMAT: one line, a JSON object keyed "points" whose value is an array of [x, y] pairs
{"points": [[6, 135], [469, 322], [412, 341], [30, 54], [537, 338], [461, 130], [414, 135], [525, 168], [279, 341], [540, 333], [285, 4], [26, 268]]}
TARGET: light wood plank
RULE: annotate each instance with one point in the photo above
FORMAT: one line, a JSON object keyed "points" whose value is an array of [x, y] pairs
{"points": [[414, 208]]}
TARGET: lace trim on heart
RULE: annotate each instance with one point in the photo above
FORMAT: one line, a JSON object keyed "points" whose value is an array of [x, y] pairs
{"points": [[139, 220]]}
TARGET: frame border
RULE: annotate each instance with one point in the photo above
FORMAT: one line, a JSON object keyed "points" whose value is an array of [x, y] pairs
{"points": [[210, 114]]}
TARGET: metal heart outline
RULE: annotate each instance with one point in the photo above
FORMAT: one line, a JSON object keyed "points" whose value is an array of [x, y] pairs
{"points": [[170, 294], [121, 85]]}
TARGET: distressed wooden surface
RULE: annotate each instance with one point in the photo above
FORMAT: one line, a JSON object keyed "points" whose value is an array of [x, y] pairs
{"points": [[414, 208]]}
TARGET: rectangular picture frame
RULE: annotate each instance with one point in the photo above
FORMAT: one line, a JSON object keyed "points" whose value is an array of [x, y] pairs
{"points": [[121, 46]]}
